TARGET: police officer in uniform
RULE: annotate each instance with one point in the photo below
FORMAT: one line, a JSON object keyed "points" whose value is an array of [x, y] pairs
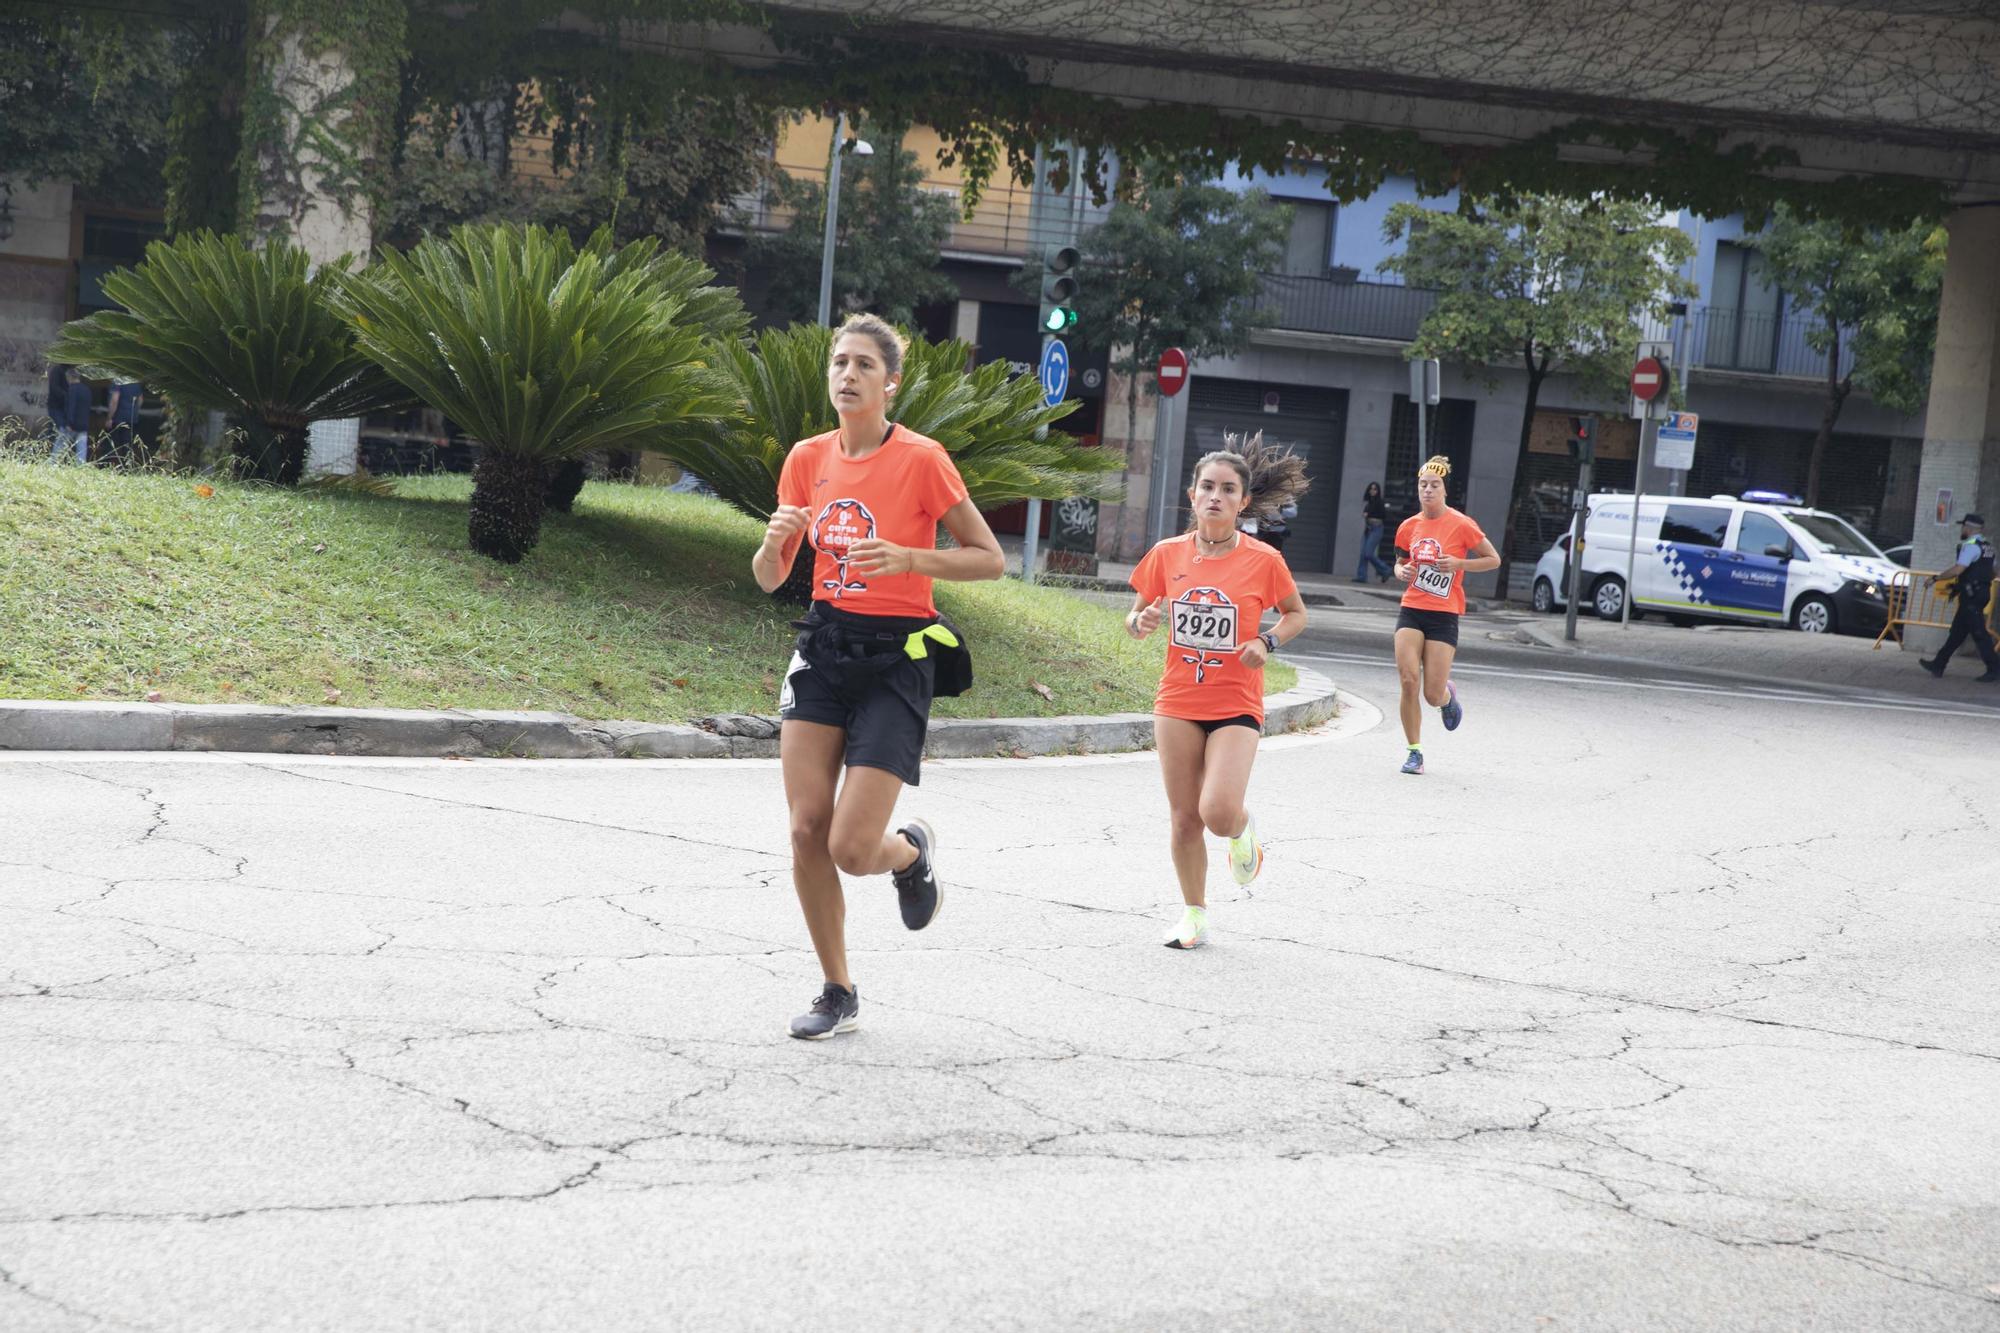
{"points": [[1974, 572]]}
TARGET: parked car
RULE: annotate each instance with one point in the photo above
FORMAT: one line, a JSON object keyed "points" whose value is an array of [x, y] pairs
{"points": [[1724, 558]]}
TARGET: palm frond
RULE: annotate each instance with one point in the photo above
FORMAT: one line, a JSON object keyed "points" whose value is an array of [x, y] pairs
{"points": [[541, 349], [210, 323], [987, 421]]}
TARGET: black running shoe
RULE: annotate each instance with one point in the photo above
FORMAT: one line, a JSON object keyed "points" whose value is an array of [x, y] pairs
{"points": [[837, 1010], [1989, 677], [917, 886]]}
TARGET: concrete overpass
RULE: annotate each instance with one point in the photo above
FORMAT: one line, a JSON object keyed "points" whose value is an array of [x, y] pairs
{"points": [[1847, 88]]}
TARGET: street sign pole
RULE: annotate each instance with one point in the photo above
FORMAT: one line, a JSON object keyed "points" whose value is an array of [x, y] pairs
{"points": [[1646, 429]]}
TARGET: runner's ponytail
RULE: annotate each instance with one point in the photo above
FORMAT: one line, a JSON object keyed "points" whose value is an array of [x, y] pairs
{"points": [[1277, 476]]}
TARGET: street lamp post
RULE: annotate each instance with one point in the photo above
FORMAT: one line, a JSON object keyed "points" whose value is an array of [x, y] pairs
{"points": [[862, 148]]}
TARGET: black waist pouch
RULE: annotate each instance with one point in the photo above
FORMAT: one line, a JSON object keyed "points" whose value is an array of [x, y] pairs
{"points": [[852, 650]]}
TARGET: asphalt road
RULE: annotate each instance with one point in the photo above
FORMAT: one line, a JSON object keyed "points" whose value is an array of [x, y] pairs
{"points": [[1656, 1004]]}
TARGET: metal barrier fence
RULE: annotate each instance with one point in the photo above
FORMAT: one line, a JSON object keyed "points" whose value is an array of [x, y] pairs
{"points": [[1914, 600]]}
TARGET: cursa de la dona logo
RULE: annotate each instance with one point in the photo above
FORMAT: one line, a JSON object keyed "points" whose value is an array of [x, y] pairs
{"points": [[840, 524]]}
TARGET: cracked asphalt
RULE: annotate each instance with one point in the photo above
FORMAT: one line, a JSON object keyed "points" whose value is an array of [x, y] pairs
{"points": [[1643, 1010]]}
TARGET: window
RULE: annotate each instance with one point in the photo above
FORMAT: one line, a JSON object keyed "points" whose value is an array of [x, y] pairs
{"points": [[1742, 314], [1309, 248], [1834, 535], [1695, 525], [1762, 535]]}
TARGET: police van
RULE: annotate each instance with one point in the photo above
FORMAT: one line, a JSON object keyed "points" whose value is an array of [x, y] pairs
{"points": [[1759, 558]]}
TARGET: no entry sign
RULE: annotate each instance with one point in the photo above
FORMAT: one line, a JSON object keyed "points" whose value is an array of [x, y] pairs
{"points": [[1649, 379], [1173, 372]]}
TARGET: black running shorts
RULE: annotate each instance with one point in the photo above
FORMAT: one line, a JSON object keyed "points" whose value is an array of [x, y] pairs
{"points": [[1436, 626], [1240, 720], [886, 719]]}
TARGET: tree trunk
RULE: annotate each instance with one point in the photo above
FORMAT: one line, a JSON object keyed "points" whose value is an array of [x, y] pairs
{"points": [[505, 520], [269, 450], [1521, 482], [1837, 390], [1132, 446]]}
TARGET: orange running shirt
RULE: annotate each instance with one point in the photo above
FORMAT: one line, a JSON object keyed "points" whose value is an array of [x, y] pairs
{"points": [[1213, 605], [1426, 539], [898, 493]]}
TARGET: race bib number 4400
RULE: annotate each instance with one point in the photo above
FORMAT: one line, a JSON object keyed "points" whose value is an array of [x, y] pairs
{"points": [[1435, 581], [1203, 619]]}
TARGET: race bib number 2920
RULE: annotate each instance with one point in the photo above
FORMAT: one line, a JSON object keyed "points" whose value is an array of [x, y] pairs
{"points": [[1437, 582], [1204, 625]]}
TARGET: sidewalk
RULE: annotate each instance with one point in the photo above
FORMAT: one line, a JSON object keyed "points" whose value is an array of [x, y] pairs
{"points": [[1753, 650]]}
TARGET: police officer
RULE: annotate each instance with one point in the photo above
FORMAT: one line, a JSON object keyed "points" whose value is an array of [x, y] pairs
{"points": [[1974, 571]]}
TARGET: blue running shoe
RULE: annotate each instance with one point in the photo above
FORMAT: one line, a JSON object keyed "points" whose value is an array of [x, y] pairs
{"points": [[1453, 714], [1414, 765]]}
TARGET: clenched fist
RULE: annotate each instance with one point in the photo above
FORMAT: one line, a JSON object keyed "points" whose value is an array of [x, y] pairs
{"points": [[787, 522]]}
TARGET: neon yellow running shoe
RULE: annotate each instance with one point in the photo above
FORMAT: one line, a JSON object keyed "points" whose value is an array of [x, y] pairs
{"points": [[1246, 853], [1192, 932]]}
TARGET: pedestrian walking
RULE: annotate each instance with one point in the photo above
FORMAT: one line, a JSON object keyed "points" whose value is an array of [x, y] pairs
{"points": [[1211, 587], [121, 417], [1375, 514], [1435, 547], [69, 413], [1971, 577], [871, 651]]}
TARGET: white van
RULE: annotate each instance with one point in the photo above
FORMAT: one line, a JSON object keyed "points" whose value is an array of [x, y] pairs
{"points": [[1761, 558]]}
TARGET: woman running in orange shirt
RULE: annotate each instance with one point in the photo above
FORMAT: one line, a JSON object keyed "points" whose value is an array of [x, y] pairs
{"points": [[869, 497], [1211, 587], [1435, 548]]}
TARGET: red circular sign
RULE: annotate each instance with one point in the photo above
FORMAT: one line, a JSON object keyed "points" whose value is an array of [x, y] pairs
{"points": [[1173, 372], [1649, 379]]}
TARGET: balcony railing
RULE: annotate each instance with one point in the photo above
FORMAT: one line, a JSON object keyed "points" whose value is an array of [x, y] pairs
{"points": [[999, 226], [1723, 338], [1355, 309]]}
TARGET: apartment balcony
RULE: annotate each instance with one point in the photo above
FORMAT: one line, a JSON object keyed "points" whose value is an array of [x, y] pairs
{"points": [[1724, 338], [1354, 309], [998, 228]]}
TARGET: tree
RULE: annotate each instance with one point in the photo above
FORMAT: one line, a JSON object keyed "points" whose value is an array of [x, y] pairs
{"points": [[886, 242], [1177, 263], [1544, 283], [84, 100], [1879, 291], [542, 351], [633, 141], [209, 323]]}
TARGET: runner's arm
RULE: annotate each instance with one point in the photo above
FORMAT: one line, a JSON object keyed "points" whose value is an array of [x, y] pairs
{"points": [[978, 555], [1291, 620], [1476, 561]]}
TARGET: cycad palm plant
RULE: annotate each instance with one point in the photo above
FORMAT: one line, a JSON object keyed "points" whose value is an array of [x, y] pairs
{"points": [[210, 323], [988, 421], [542, 351]]}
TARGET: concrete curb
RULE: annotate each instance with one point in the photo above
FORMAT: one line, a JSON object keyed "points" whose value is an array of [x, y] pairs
{"points": [[32, 724]]}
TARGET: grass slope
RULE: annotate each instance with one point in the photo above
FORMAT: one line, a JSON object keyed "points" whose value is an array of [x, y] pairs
{"points": [[640, 605]]}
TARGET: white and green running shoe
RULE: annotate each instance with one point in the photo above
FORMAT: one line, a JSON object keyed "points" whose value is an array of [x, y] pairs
{"points": [[1192, 932], [1246, 854]]}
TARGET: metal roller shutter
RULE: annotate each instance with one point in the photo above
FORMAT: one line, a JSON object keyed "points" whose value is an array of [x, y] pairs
{"points": [[1311, 421]]}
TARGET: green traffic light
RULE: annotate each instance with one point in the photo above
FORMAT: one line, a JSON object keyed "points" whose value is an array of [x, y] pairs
{"points": [[1059, 319]]}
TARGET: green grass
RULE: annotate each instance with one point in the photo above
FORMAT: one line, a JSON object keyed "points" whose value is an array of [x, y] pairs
{"points": [[640, 605]]}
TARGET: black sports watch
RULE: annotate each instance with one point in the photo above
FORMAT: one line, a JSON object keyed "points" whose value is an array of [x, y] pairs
{"points": [[1270, 640]]}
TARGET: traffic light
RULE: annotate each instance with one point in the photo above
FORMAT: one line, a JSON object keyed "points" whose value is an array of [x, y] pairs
{"points": [[1059, 289], [1583, 439]]}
